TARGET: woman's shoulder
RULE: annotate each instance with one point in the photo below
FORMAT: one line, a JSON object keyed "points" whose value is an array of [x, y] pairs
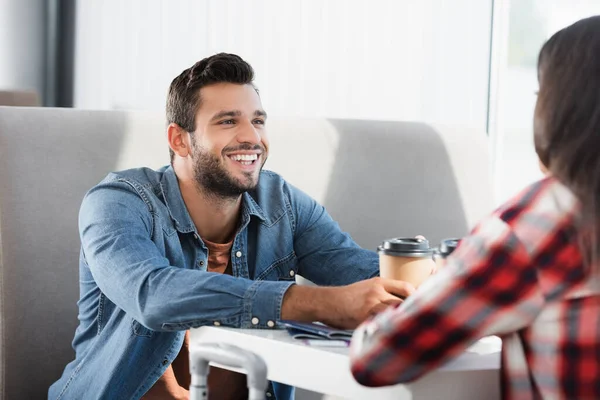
{"points": [[547, 199], [543, 216]]}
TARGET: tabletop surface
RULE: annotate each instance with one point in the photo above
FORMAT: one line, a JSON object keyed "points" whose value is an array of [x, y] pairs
{"points": [[327, 369]]}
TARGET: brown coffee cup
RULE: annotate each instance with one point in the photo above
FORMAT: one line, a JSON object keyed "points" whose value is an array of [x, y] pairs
{"points": [[406, 259], [447, 246]]}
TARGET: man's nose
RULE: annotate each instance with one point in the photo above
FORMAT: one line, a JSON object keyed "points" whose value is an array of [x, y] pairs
{"points": [[248, 133]]}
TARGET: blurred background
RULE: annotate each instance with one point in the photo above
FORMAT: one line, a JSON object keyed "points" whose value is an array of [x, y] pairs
{"points": [[460, 62]]}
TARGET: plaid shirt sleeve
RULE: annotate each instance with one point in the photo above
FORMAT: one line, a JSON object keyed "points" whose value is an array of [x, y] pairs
{"points": [[488, 287]]}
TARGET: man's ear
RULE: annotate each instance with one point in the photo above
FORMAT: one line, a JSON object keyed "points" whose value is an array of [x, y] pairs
{"points": [[178, 140]]}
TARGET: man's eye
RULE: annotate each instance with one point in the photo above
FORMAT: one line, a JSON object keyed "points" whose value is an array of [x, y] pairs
{"points": [[227, 122], [259, 121]]}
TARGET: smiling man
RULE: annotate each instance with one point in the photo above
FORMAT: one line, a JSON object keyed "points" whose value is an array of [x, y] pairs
{"points": [[209, 240]]}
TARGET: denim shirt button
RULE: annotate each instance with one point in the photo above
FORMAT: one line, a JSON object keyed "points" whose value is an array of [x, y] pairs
{"points": [[238, 254], [165, 362], [255, 321], [216, 323], [292, 272], [196, 236], [270, 324], [269, 394], [201, 262]]}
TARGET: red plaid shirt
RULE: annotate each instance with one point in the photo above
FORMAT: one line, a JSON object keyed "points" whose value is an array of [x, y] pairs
{"points": [[520, 276]]}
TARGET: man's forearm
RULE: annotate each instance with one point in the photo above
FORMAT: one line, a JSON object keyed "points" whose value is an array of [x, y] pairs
{"points": [[343, 306], [307, 303]]}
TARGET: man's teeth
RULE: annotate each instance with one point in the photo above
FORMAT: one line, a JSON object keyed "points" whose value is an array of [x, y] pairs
{"points": [[245, 159]]}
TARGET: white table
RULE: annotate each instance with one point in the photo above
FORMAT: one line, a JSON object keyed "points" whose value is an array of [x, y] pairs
{"points": [[473, 375]]}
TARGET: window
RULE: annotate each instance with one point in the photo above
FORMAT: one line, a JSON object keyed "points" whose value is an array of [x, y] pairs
{"points": [[529, 24]]}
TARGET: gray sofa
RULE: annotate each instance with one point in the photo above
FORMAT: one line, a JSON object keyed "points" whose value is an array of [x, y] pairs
{"points": [[378, 179]]}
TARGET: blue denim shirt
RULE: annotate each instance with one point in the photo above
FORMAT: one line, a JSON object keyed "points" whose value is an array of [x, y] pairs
{"points": [[143, 278]]}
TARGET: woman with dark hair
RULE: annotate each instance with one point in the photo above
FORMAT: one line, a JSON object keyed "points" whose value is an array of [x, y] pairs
{"points": [[530, 272]]}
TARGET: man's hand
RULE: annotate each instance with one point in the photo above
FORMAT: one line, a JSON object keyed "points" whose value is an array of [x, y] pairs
{"points": [[355, 303], [343, 306]]}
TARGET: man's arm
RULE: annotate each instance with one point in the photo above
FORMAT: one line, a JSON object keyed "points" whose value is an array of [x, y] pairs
{"points": [[326, 255], [343, 306], [488, 287], [116, 227]]}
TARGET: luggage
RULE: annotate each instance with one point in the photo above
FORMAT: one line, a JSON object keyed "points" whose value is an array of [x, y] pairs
{"points": [[229, 356]]}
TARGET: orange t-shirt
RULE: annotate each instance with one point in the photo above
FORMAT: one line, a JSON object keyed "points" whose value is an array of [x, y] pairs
{"points": [[222, 383], [218, 257]]}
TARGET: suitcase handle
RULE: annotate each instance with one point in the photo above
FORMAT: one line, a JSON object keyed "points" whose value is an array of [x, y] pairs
{"points": [[230, 356]]}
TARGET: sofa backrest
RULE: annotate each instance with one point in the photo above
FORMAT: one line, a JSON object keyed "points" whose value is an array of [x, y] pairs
{"points": [[382, 179], [378, 179], [49, 158]]}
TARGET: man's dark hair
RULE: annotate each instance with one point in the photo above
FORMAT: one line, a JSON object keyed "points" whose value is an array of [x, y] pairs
{"points": [[183, 99]]}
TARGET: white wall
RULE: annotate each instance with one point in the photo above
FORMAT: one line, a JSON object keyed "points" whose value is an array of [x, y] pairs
{"points": [[22, 46], [422, 60]]}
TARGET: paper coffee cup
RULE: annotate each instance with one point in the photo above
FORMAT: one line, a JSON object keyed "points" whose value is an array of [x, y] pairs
{"points": [[447, 246], [406, 259]]}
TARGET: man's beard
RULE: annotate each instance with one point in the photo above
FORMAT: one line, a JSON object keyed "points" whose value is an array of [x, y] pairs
{"points": [[213, 179]]}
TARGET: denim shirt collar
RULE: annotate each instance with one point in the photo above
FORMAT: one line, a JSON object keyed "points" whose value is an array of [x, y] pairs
{"points": [[179, 212]]}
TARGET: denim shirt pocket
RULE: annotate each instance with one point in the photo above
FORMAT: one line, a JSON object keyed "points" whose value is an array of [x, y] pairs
{"points": [[284, 269], [167, 226], [140, 330]]}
